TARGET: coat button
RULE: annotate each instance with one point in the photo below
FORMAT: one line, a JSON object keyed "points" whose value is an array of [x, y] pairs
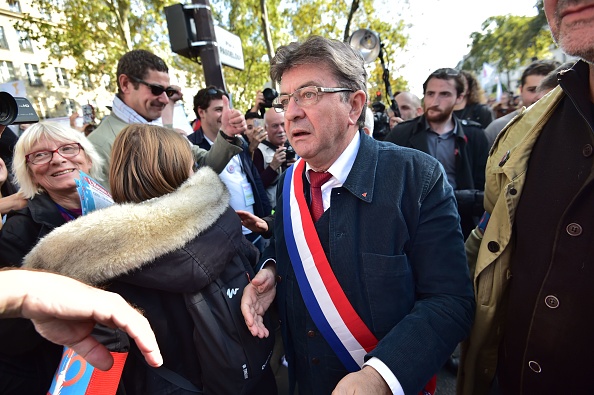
{"points": [[311, 333], [513, 191], [574, 229], [587, 150], [552, 302], [534, 366], [315, 360], [493, 246]]}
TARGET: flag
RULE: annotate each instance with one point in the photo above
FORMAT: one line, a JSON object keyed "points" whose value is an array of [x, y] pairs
{"points": [[499, 91]]}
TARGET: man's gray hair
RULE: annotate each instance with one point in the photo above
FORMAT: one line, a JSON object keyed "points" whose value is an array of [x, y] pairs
{"points": [[345, 63]]}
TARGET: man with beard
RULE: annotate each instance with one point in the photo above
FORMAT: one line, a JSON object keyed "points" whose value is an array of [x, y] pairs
{"points": [[459, 145], [143, 96], [532, 255]]}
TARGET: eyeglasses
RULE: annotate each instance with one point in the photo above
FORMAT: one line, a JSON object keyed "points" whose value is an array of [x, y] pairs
{"points": [[446, 72], [156, 90], [216, 92], [41, 157], [304, 97]]}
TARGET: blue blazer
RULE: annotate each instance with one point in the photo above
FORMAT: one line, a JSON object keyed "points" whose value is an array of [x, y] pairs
{"points": [[395, 245]]}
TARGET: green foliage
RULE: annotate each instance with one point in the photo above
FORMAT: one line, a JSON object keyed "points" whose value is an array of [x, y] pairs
{"points": [[97, 33], [509, 42]]}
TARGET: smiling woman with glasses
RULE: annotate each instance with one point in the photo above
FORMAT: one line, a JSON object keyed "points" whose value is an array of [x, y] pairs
{"points": [[47, 160], [156, 90]]}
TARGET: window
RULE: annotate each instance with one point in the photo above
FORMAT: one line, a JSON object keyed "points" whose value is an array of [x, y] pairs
{"points": [[14, 6], [33, 74], [7, 71], [24, 41], [86, 82], [62, 76], [3, 42]]}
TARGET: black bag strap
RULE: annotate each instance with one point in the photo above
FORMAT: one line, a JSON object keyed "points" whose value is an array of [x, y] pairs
{"points": [[168, 375]]}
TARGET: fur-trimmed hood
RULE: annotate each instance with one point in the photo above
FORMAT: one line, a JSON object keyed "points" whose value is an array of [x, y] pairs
{"points": [[116, 240]]}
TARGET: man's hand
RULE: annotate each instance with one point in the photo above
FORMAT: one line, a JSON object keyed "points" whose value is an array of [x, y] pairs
{"points": [[279, 158], [167, 114], [365, 381], [233, 121], [394, 121], [259, 101], [255, 136], [16, 201], [252, 222], [257, 297], [64, 311]]}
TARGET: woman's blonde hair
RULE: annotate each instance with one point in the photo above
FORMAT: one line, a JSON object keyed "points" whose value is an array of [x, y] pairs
{"points": [[148, 161], [52, 131]]}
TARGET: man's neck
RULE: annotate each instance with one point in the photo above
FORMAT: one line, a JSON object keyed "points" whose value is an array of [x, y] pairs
{"points": [[442, 127], [211, 135]]}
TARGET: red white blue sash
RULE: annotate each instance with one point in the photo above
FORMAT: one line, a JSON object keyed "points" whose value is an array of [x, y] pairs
{"points": [[326, 302]]}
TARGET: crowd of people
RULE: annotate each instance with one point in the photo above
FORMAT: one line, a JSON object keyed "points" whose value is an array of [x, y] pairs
{"points": [[369, 257]]}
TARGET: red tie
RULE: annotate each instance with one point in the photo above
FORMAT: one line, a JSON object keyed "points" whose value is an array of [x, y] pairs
{"points": [[316, 180]]}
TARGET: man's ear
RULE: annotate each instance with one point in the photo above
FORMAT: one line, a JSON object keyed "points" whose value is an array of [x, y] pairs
{"points": [[125, 83], [358, 100]]}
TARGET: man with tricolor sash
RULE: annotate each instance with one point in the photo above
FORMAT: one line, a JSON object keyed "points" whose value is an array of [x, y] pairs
{"points": [[367, 264]]}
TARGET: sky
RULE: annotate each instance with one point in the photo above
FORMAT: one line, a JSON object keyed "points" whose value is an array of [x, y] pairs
{"points": [[440, 33]]}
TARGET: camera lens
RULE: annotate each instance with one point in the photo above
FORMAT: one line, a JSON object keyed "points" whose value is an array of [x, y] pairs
{"points": [[269, 95], [8, 109]]}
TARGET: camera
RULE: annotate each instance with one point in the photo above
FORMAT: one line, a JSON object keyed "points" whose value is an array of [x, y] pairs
{"points": [[269, 96], [381, 125], [16, 110], [289, 152]]}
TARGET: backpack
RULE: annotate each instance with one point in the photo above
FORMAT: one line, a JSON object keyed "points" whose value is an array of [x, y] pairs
{"points": [[232, 360]]}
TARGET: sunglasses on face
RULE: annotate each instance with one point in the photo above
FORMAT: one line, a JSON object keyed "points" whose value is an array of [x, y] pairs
{"points": [[156, 90], [213, 91]]}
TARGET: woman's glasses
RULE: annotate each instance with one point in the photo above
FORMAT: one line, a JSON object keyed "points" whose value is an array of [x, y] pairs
{"points": [[65, 151]]}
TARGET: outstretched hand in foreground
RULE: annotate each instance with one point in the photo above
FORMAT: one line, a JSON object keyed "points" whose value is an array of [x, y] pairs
{"points": [[64, 311]]}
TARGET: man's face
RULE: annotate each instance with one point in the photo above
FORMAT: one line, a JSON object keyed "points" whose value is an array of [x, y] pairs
{"points": [[275, 128], [250, 124], [440, 99], [320, 132], [407, 109], [572, 26], [211, 117], [528, 90], [141, 99]]}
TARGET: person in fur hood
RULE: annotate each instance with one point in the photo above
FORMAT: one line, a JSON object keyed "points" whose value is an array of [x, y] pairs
{"points": [[170, 233]]}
